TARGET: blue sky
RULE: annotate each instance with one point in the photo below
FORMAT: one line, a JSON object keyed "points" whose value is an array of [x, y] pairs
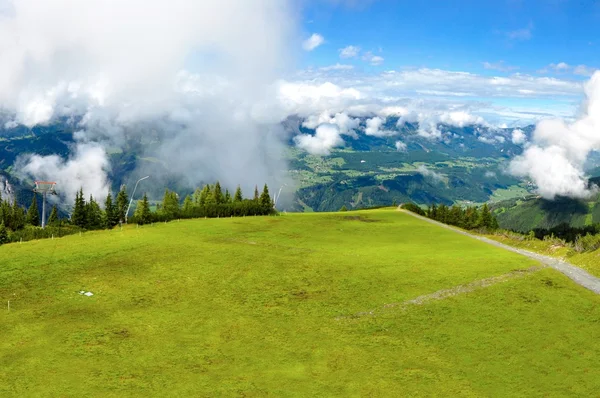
{"points": [[458, 35], [509, 60]]}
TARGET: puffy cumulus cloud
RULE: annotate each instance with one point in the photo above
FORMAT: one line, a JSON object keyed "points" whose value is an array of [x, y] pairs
{"points": [[307, 99], [119, 65], [86, 169], [460, 119], [314, 41], [349, 52], [518, 137], [555, 158], [346, 124], [327, 137], [374, 128], [401, 146]]}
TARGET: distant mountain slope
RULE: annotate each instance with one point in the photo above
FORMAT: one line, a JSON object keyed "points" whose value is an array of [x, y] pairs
{"points": [[462, 165], [535, 212]]}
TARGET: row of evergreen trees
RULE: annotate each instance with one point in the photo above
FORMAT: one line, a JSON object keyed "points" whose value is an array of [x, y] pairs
{"points": [[466, 218], [210, 201], [18, 223]]}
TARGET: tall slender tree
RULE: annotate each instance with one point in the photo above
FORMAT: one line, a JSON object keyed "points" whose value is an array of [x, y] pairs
{"points": [[142, 211], [53, 219], [122, 204], [33, 214], [3, 234], [78, 217], [265, 198], [238, 197], [256, 193], [218, 193], [111, 216], [188, 206], [17, 217], [170, 204], [93, 215]]}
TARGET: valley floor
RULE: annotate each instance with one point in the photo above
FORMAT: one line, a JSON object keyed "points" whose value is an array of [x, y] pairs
{"points": [[375, 303]]}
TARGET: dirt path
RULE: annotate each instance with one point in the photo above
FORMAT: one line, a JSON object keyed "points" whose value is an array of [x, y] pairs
{"points": [[576, 274], [445, 293]]}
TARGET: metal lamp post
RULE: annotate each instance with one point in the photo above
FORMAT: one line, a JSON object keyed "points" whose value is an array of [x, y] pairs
{"points": [[132, 195]]}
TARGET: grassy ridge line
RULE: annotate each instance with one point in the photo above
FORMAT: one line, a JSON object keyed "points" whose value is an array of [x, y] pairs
{"points": [[249, 306], [578, 275]]}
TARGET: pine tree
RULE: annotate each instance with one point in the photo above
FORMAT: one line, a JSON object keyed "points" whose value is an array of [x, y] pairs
{"points": [[218, 194], [110, 212], [3, 234], [5, 212], [205, 195], [485, 218], [494, 225], [78, 217], [256, 193], [122, 204], [170, 205], [33, 215], [196, 197], [188, 206], [238, 197], [265, 198], [53, 219], [142, 211], [227, 198], [343, 208], [17, 216], [94, 216]]}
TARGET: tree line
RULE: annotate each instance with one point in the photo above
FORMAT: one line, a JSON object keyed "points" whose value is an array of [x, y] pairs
{"points": [[19, 223], [466, 218]]}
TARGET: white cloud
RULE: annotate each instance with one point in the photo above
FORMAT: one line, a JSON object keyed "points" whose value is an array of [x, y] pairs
{"points": [[345, 123], [374, 60], [401, 146], [423, 170], [86, 169], [314, 41], [336, 67], [583, 70], [129, 64], [518, 137], [499, 66], [374, 125], [349, 52], [327, 137], [555, 158], [460, 119]]}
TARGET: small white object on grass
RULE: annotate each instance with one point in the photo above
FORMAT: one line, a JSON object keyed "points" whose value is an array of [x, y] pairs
{"points": [[88, 294]]}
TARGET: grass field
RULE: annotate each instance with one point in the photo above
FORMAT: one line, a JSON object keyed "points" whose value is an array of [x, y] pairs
{"points": [[289, 306]]}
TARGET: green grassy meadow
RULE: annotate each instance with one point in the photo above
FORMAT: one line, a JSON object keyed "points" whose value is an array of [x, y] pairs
{"points": [[293, 305]]}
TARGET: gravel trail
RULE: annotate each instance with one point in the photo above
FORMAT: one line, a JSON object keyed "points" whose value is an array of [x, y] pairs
{"points": [[576, 274]]}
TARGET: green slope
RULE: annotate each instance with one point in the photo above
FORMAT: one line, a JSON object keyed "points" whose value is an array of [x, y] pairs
{"points": [[268, 306], [526, 214]]}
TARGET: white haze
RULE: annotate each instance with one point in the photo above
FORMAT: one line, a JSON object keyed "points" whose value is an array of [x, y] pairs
{"points": [[188, 71], [555, 158]]}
